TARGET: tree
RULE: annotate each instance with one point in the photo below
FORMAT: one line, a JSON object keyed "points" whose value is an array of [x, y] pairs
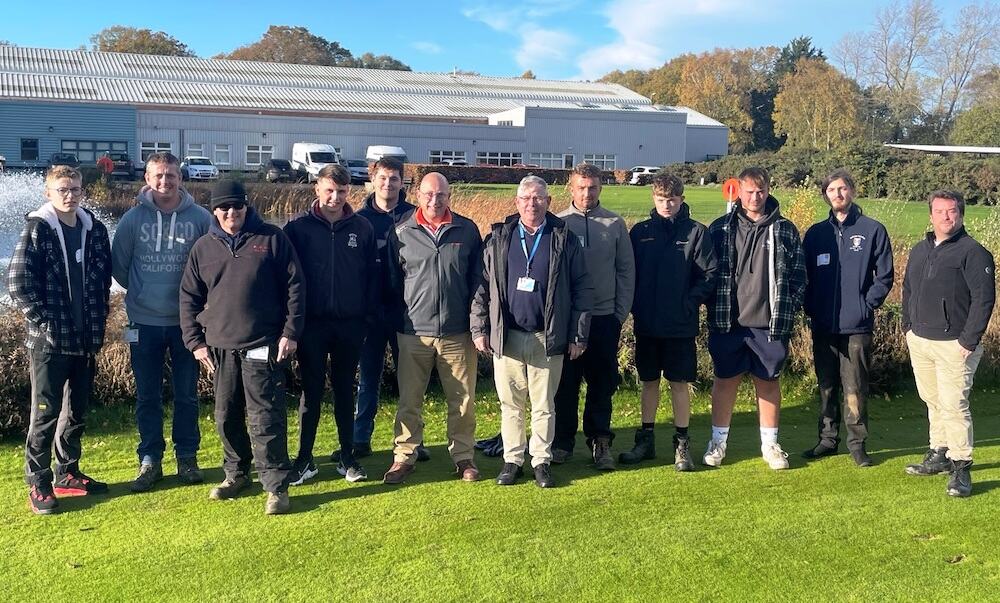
{"points": [[528, 75], [816, 107], [979, 126], [799, 48], [964, 52], [382, 61], [6, 43], [296, 45], [119, 38]]}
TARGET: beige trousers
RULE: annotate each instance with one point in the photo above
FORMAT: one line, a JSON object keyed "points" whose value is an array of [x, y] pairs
{"points": [[944, 380], [455, 359], [524, 372]]}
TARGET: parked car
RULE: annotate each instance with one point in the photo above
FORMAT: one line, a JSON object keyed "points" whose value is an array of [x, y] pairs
{"points": [[456, 162], [64, 159], [378, 151], [359, 170], [198, 168], [642, 174], [124, 168], [276, 170]]}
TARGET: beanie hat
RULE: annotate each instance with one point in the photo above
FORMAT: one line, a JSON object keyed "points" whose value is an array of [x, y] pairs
{"points": [[227, 191]]}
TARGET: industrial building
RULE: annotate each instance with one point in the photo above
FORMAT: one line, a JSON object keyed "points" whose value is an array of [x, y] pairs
{"points": [[242, 113]]}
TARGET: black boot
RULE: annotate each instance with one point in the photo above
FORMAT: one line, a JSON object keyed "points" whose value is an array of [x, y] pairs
{"points": [[960, 482], [935, 462], [643, 450]]}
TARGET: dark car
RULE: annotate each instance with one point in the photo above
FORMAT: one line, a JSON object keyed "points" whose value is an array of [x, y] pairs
{"points": [[64, 159], [276, 170], [124, 168], [359, 170]]}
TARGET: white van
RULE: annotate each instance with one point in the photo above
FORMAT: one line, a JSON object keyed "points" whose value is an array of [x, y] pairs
{"points": [[642, 174], [378, 151], [308, 158]]}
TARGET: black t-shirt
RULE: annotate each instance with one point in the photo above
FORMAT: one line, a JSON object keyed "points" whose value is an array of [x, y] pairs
{"points": [[527, 309], [74, 257]]}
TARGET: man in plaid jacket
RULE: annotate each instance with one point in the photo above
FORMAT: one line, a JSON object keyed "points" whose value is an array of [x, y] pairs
{"points": [[60, 278], [761, 284]]}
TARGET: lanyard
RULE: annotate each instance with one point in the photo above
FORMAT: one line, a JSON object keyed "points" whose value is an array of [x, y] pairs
{"points": [[534, 247]]}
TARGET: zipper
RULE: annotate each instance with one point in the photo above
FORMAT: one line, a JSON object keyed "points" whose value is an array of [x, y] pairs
{"points": [[836, 280], [944, 310], [333, 267]]}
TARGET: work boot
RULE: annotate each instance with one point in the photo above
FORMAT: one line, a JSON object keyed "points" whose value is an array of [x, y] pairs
{"points": [[277, 503], [560, 456], [603, 460], [188, 471], [149, 474], [643, 450], [861, 457], [960, 482], [230, 487], [935, 462], [682, 453]]}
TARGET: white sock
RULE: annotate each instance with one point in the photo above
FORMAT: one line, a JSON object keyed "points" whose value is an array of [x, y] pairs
{"points": [[720, 434], [768, 435]]}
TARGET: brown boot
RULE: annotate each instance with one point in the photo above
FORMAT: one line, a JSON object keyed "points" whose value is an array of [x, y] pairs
{"points": [[467, 470], [397, 473]]}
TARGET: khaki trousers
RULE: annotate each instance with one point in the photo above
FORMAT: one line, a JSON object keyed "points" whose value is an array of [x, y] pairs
{"points": [[944, 380], [523, 372], [455, 359]]}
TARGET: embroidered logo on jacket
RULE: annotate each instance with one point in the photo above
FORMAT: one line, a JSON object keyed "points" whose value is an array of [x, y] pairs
{"points": [[856, 241], [352, 240]]}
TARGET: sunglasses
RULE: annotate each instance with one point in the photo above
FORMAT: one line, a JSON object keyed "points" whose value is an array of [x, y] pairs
{"points": [[228, 206]]}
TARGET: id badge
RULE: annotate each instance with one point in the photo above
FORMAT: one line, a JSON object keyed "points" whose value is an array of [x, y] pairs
{"points": [[258, 353], [526, 284], [823, 259], [79, 256], [131, 336]]}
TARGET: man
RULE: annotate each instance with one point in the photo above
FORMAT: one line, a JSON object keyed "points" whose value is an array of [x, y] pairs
{"points": [[336, 248], [948, 295], [60, 277], [762, 279], [149, 253], [532, 308], [435, 263], [675, 274], [849, 265], [607, 253], [242, 316]]}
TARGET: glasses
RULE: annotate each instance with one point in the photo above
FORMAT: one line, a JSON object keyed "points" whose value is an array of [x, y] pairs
{"points": [[534, 199], [76, 191], [229, 206], [435, 196]]}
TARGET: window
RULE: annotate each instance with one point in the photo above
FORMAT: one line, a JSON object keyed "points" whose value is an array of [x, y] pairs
{"points": [[222, 156], [195, 149], [259, 153], [442, 156], [501, 159], [605, 162], [547, 160], [29, 149], [88, 151], [148, 148], [505, 122]]}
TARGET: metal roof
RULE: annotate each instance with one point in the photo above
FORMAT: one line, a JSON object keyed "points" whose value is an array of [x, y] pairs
{"points": [[944, 148], [182, 82]]}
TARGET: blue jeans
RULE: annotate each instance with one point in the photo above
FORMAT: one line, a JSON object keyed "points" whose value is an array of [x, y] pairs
{"points": [[147, 365], [370, 378]]}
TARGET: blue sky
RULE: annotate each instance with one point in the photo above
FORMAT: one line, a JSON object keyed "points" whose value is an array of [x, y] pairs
{"points": [[556, 39]]}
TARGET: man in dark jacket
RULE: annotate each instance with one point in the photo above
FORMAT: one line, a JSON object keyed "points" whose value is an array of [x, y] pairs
{"points": [[675, 273], [948, 295], [336, 249], [849, 267], [531, 310], [435, 263], [242, 300], [59, 277]]}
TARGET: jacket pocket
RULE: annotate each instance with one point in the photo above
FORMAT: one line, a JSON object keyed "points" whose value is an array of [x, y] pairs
{"points": [[944, 314]]}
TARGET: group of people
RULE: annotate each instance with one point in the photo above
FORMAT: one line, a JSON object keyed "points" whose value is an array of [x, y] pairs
{"points": [[544, 294]]}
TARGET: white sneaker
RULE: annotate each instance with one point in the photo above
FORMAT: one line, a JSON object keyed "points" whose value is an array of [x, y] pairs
{"points": [[715, 453], [776, 457]]}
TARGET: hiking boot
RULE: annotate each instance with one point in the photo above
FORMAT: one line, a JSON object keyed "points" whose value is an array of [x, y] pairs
{"points": [[423, 454], [353, 472], [776, 458], [77, 483], [543, 477], [509, 474], [643, 450], [302, 470], [935, 462], [603, 461], [819, 450], [41, 500], [230, 487], [467, 470], [277, 503], [682, 453], [960, 481], [861, 458], [714, 454], [188, 471], [149, 474], [560, 456], [397, 473]]}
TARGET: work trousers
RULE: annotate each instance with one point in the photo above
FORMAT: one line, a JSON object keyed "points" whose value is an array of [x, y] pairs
{"points": [[370, 377], [842, 363]]}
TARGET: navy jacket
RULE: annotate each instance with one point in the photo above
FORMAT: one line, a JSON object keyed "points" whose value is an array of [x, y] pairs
{"points": [[850, 273], [383, 222]]}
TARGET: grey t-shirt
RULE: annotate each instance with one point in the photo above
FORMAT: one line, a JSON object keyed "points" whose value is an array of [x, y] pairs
{"points": [[74, 256]]}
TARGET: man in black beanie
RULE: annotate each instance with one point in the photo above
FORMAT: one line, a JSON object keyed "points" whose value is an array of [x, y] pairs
{"points": [[242, 311]]}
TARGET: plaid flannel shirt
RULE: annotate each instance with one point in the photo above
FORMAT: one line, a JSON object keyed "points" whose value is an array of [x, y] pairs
{"points": [[39, 287], [787, 280]]}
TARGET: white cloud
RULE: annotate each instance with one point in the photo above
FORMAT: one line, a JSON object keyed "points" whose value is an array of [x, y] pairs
{"points": [[427, 47], [540, 48]]}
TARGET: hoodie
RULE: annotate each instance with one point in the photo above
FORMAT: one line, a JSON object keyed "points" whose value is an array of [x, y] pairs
{"points": [[149, 252]]}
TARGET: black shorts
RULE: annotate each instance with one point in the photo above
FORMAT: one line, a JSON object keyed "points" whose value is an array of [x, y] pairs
{"points": [[747, 350], [676, 358]]}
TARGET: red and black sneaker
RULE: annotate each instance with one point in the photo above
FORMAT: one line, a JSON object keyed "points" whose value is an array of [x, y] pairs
{"points": [[41, 500], [77, 483]]}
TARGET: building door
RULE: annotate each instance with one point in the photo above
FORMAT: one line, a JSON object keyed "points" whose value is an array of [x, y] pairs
{"points": [[568, 161]]}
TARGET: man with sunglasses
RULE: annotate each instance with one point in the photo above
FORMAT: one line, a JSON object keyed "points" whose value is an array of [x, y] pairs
{"points": [[242, 313], [59, 278]]}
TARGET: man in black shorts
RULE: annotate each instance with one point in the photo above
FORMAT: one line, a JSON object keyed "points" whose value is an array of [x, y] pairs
{"points": [[675, 274], [762, 280]]}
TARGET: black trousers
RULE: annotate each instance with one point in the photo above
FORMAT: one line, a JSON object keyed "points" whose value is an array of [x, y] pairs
{"points": [[599, 366], [60, 395], [337, 345], [842, 363], [252, 393]]}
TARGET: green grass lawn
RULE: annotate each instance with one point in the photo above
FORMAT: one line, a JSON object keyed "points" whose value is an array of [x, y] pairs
{"points": [[819, 531]]}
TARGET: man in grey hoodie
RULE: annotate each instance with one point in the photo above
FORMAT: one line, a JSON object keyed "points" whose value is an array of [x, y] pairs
{"points": [[149, 252]]}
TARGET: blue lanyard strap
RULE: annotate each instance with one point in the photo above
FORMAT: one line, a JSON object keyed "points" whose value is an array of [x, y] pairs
{"points": [[534, 247]]}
